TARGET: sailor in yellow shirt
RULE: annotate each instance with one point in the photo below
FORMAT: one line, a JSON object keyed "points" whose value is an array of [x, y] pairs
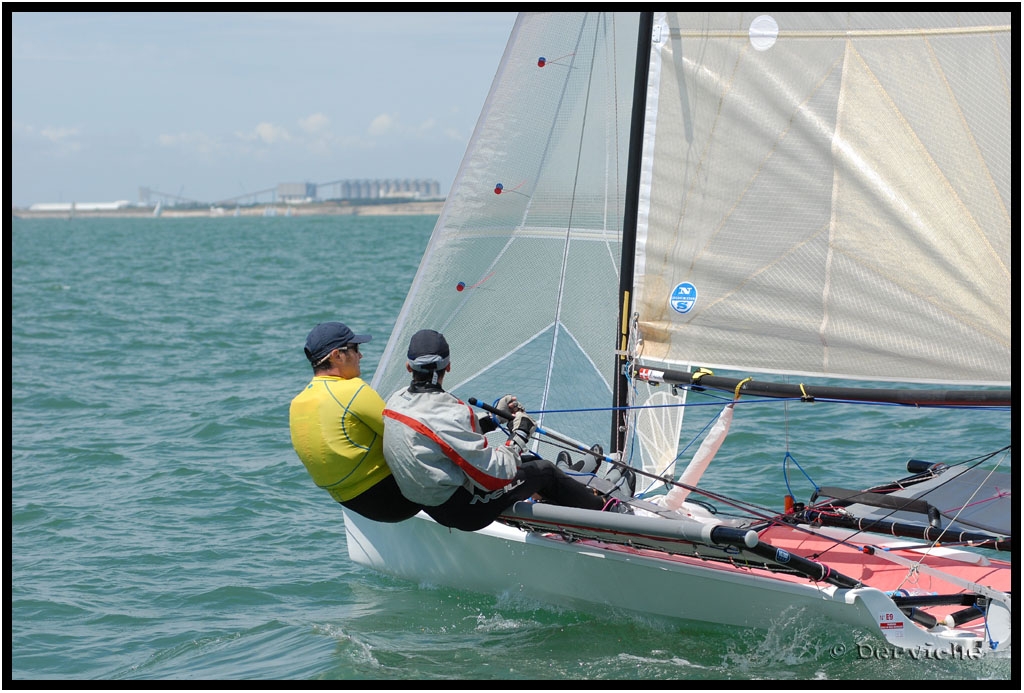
{"points": [[337, 428]]}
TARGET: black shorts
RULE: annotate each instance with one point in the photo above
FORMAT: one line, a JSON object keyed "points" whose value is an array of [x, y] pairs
{"points": [[383, 502], [472, 511]]}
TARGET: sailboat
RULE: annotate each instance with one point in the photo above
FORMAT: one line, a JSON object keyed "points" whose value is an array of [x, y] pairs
{"points": [[808, 210]]}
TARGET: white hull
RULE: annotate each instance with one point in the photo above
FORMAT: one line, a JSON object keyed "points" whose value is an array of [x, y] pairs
{"points": [[503, 560]]}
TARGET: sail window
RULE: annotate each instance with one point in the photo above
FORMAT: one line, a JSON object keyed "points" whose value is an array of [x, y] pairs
{"points": [[764, 30]]}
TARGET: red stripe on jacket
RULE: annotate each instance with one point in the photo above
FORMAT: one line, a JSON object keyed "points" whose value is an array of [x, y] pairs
{"points": [[491, 483]]}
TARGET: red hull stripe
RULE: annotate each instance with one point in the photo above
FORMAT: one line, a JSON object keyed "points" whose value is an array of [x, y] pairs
{"points": [[491, 483]]}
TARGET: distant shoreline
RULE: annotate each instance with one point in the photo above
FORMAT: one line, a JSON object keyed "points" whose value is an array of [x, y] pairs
{"points": [[431, 208]]}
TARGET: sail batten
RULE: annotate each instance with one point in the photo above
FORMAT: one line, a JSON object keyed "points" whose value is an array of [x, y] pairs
{"points": [[852, 33]]}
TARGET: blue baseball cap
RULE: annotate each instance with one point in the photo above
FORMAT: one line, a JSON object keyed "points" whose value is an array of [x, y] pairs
{"points": [[328, 336]]}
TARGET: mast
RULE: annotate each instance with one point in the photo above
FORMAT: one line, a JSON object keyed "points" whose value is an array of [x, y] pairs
{"points": [[632, 203]]}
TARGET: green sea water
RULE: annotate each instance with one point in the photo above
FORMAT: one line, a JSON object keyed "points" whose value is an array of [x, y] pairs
{"points": [[161, 526]]}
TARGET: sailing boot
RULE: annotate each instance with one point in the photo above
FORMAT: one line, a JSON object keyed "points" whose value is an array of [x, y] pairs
{"points": [[616, 506], [623, 480], [596, 453], [587, 465], [564, 461]]}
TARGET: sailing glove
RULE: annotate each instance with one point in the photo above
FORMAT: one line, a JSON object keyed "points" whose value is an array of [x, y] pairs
{"points": [[508, 405], [522, 427], [486, 423]]}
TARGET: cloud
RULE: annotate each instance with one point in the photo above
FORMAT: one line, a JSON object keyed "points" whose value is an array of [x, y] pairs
{"points": [[314, 124], [389, 125], [383, 124], [268, 133], [455, 135], [265, 133], [199, 141], [58, 135], [51, 139]]}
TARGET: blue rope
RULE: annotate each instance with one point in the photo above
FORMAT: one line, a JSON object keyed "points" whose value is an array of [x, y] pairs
{"points": [[785, 472]]}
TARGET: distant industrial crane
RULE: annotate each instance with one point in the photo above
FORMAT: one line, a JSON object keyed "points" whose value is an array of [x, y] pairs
{"points": [[146, 193], [243, 196]]}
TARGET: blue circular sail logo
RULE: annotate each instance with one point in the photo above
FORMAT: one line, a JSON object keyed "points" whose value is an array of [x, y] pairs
{"points": [[683, 297]]}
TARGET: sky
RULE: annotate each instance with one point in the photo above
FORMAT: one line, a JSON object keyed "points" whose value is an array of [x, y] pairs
{"points": [[210, 106]]}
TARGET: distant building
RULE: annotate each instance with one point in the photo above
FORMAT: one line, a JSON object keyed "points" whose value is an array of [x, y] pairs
{"points": [[296, 192], [79, 206], [394, 188]]}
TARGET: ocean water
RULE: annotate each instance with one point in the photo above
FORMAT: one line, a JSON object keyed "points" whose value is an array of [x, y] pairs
{"points": [[161, 527]]}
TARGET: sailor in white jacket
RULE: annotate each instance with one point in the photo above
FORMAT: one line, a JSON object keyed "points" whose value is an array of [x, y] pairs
{"points": [[440, 457]]}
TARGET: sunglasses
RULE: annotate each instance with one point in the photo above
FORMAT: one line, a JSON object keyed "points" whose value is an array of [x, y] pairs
{"points": [[347, 347]]}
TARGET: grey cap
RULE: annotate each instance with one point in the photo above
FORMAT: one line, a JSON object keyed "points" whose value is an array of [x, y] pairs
{"points": [[428, 351]]}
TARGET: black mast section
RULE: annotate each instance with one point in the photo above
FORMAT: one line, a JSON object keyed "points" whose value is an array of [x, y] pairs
{"points": [[632, 204]]}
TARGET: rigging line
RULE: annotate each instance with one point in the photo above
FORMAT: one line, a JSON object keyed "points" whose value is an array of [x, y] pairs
{"points": [[998, 595], [547, 148], [526, 211], [679, 455], [974, 543], [771, 517], [846, 542], [1001, 494], [615, 148], [754, 511], [972, 463], [788, 456], [572, 198], [785, 425], [632, 422], [766, 514], [717, 403], [785, 472], [926, 554], [975, 461], [838, 542]]}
